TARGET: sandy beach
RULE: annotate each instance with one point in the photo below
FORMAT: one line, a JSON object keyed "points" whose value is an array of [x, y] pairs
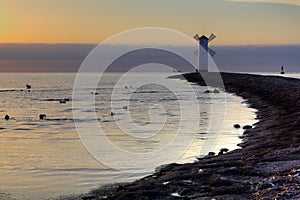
{"points": [[266, 167]]}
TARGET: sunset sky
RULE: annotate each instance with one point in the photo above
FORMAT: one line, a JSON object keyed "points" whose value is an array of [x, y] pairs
{"points": [[237, 23]]}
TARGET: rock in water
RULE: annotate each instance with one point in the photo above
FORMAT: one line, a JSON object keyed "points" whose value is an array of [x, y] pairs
{"points": [[222, 151], [42, 116], [247, 127], [62, 101], [237, 126], [216, 91], [6, 117]]}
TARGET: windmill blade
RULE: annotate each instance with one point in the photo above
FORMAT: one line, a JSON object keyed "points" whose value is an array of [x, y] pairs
{"points": [[196, 37], [211, 37], [211, 52], [196, 53]]}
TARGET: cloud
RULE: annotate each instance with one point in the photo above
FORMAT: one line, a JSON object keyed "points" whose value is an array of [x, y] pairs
{"points": [[42, 57], [258, 58], [68, 57], [288, 2]]}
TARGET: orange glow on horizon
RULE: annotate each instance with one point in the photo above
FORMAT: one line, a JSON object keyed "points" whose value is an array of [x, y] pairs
{"points": [[33, 21]]}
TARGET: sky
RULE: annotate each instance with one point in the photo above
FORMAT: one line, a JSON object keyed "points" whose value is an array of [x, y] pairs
{"points": [[236, 23]]}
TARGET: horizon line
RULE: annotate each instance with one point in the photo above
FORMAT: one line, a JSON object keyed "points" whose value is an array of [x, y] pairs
{"points": [[94, 44]]}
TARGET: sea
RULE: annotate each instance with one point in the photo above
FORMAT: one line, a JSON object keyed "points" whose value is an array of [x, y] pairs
{"points": [[141, 117]]}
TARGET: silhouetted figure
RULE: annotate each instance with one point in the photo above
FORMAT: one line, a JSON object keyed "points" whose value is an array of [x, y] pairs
{"points": [[28, 87], [42, 116], [282, 70], [6, 117]]}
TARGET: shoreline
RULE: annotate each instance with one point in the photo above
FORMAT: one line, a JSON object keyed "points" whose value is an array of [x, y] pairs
{"points": [[266, 167]]}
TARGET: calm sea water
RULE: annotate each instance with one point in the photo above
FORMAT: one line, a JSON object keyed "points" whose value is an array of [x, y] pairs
{"points": [[42, 159]]}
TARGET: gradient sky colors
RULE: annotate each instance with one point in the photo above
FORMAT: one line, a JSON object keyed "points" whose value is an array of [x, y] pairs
{"points": [[252, 35], [236, 22]]}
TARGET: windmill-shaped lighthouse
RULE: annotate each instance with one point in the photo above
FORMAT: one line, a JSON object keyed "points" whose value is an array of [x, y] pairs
{"points": [[204, 50]]}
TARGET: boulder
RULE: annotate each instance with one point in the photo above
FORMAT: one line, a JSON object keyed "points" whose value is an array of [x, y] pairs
{"points": [[42, 116], [247, 127], [216, 91], [62, 101], [237, 126]]}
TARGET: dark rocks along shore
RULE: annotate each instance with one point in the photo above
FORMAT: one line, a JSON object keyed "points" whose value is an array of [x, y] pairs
{"points": [[266, 167]]}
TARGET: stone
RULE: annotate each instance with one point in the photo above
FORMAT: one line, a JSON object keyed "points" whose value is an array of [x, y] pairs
{"points": [[237, 126], [222, 151], [216, 91], [62, 101], [42, 116], [247, 127]]}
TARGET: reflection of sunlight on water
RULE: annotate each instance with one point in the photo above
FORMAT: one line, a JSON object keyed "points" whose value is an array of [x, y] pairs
{"points": [[45, 158]]}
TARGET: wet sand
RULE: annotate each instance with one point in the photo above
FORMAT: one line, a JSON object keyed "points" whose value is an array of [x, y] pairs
{"points": [[266, 167]]}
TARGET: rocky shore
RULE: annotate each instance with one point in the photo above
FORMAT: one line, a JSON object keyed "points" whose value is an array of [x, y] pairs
{"points": [[266, 167]]}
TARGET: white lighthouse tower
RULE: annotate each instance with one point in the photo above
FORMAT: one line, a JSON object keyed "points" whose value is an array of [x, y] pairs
{"points": [[204, 50], [203, 57]]}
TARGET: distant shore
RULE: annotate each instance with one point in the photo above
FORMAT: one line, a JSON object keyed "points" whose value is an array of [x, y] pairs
{"points": [[266, 167]]}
